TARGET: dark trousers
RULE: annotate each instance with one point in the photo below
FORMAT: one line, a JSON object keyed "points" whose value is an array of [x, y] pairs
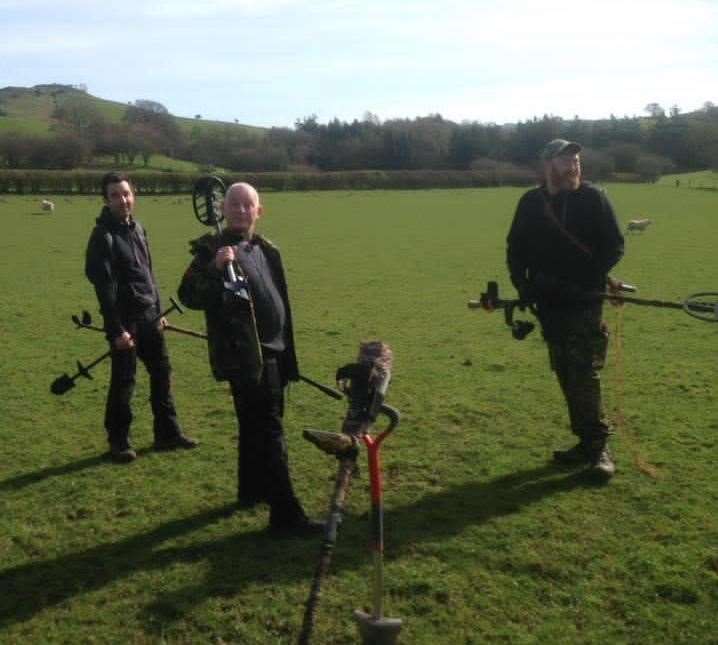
{"points": [[577, 343], [151, 349], [263, 466]]}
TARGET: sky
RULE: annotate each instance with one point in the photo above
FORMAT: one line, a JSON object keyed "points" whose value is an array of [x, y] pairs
{"points": [[271, 62]]}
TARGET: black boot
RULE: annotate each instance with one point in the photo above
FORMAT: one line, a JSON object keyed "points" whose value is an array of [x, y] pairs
{"points": [[289, 519], [602, 463], [575, 456]]}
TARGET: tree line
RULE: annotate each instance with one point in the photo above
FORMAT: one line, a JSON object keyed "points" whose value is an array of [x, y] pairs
{"points": [[645, 147]]}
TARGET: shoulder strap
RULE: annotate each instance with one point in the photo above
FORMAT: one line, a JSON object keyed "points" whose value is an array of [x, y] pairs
{"points": [[551, 215]]}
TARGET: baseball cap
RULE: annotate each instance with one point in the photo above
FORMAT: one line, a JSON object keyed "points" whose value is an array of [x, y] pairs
{"points": [[559, 147]]}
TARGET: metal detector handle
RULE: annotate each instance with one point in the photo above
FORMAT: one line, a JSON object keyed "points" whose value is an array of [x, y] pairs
{"points": [[231, 273]]}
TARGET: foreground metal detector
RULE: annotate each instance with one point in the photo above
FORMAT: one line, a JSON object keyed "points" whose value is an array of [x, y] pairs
{"points": [[207, 196], [703, 306], [65, 382], [86, 323], [365, 383]]}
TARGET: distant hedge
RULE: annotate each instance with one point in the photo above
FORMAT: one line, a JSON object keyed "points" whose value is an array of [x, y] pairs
{"points": [[27, 182]]}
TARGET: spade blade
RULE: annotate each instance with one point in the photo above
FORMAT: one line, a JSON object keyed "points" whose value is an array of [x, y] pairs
{"points": [[62, 384]]}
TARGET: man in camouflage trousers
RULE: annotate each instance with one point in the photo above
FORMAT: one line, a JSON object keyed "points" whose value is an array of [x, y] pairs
{"points": [[563, 241]]}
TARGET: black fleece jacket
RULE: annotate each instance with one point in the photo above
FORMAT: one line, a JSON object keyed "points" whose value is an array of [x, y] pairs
{"points": [[579, 256], [118, 264]]}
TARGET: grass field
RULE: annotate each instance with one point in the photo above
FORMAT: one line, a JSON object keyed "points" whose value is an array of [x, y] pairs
{"points": [[700, 179], [485, 540], [156, 162]]}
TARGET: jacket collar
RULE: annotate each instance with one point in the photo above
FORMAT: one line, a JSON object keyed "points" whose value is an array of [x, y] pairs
{"points": [[108, 220]]}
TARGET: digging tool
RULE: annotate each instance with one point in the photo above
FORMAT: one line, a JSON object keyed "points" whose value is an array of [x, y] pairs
{"points": [[66, 382], [207, 197], [365, 383], [375, 628], [86, 323]]}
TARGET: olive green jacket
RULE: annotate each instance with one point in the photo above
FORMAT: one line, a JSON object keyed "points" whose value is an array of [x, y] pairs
{"points": [[233, 340]]}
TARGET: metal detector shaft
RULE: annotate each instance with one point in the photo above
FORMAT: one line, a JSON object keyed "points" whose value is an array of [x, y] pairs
{"points": [[329, 391], [694, 306], [490, 300], [335, 394], [186, 332], [65, 382]]}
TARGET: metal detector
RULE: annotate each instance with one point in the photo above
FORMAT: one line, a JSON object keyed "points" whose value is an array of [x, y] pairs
{"points": [[207, 197], [65, 382], [365, 383], [86, 323], [703, 306]]}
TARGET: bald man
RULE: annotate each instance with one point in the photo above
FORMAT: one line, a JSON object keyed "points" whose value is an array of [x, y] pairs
{"points": [[251, 345]]}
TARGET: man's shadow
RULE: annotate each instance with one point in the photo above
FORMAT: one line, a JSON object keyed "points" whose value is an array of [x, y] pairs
{"points": [[28, 479], [253, 557]]}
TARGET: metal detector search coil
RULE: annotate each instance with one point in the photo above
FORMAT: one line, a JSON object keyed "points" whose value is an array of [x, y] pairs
{"points": [[207, 197]]}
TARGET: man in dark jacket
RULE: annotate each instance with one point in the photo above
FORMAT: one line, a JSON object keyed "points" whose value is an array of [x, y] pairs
{"points": [[251, 345], [119, 265], [563, 241]]}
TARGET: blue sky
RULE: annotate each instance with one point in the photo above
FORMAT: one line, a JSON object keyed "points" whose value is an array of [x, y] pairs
{"points": [[269, 62]]}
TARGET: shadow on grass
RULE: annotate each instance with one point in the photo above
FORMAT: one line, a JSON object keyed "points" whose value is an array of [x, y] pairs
{"points": [[21, 481], [252, 558], [28, 479]]}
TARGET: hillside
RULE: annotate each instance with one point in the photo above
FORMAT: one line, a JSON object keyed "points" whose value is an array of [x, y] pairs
{"points": [[87, 131], [29, 110]]}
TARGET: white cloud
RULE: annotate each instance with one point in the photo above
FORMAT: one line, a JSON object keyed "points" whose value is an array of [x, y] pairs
{"points": [[479, 59]]}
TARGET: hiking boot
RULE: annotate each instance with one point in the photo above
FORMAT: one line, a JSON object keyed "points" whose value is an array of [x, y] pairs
{"points": [[245, 503], [122, 455], [174, 442], [303, 527], [573, 456], [602, 463]]}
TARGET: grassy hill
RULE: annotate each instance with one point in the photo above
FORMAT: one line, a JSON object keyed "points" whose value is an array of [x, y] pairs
{"points": [[29, 110]]}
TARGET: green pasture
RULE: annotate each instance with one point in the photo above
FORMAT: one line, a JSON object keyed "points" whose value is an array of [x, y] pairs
{"points": [[486, 541], [706, 179], [156, 162]]}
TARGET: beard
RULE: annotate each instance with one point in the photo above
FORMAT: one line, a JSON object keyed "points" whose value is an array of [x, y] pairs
{"points": [[566, 180]]}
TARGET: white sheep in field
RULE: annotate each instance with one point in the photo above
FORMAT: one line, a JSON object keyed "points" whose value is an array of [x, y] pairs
{"points": [[638, 225], [47, 205]]}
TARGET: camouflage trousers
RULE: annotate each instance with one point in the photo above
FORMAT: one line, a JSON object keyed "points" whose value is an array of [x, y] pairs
{"points": [[577, 344]]}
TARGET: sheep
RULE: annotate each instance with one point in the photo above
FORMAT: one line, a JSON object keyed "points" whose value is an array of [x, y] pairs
{"points": [[638, 225], [47, 205]]}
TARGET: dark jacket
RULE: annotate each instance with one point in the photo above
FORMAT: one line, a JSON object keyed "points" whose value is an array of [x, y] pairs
{"points": [[119, 265], [548, 259], [233, 338]]}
